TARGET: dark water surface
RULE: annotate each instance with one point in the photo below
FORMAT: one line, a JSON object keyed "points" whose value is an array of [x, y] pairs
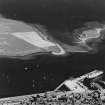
{"points": [[45, 72]]}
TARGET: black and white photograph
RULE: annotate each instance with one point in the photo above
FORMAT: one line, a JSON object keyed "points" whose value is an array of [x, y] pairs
{"points": [[52, 52]]}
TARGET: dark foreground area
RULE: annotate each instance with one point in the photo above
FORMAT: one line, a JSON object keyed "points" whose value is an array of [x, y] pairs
{"points": [[44, 73]]}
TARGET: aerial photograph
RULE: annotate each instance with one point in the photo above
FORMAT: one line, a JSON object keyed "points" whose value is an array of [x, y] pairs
{"points": [[52, 52]]}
